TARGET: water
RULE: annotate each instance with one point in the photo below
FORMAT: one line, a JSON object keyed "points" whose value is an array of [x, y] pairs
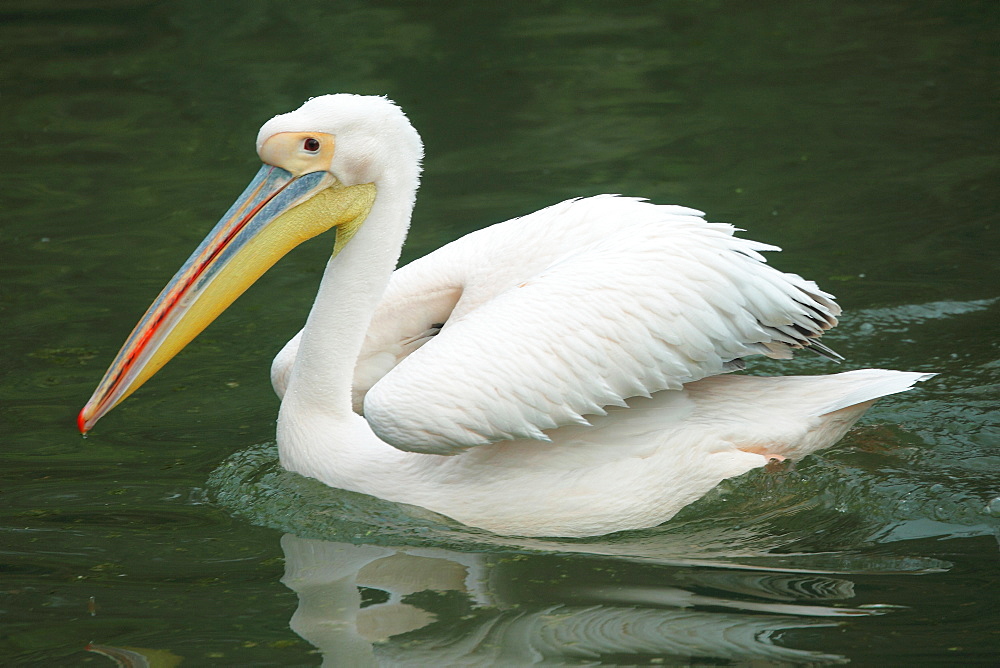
{"points": [[857, 136]]}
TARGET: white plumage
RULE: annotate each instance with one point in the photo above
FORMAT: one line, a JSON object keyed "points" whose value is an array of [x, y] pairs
{"points": [[555, 315], [556, 374]]}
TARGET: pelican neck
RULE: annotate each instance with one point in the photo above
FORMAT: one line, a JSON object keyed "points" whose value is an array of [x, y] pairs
{"points": [[352, 285]]}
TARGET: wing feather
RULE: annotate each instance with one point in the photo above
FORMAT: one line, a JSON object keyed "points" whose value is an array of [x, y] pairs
{"points": [[648, 298]]}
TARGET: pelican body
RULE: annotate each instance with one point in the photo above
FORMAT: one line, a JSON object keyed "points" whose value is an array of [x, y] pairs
{"points": [[559, 374]]}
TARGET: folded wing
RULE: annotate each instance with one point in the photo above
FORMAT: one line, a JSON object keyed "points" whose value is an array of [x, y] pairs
{"points": [[638, 298]]}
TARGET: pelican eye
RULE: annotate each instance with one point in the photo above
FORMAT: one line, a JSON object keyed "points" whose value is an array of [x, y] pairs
{"points": [[311, 144]]}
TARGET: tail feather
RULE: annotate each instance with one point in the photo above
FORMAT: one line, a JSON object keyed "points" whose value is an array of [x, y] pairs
{"points": [[872, 384]]}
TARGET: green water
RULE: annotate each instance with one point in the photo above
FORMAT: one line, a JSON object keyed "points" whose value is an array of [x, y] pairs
{"points": [[859, 136]]}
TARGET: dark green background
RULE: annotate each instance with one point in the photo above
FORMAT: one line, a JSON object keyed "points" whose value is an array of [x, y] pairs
{"points": [[859, 136]]}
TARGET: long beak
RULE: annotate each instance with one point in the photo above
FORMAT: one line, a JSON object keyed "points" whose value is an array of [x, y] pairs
{"points": [[275, 213]]}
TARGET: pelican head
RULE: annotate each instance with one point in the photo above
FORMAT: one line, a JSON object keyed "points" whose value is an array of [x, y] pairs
{"points": [[323, 164]]}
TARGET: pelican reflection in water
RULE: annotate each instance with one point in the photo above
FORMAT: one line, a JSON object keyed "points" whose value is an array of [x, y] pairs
{"points": [[367, 605]]}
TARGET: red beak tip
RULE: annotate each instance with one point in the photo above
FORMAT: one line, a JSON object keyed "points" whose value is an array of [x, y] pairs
{"points": [[81, 423]]}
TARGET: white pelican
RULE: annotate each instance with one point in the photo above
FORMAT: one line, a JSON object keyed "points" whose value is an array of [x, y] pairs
{"points": [[553, 375]]}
